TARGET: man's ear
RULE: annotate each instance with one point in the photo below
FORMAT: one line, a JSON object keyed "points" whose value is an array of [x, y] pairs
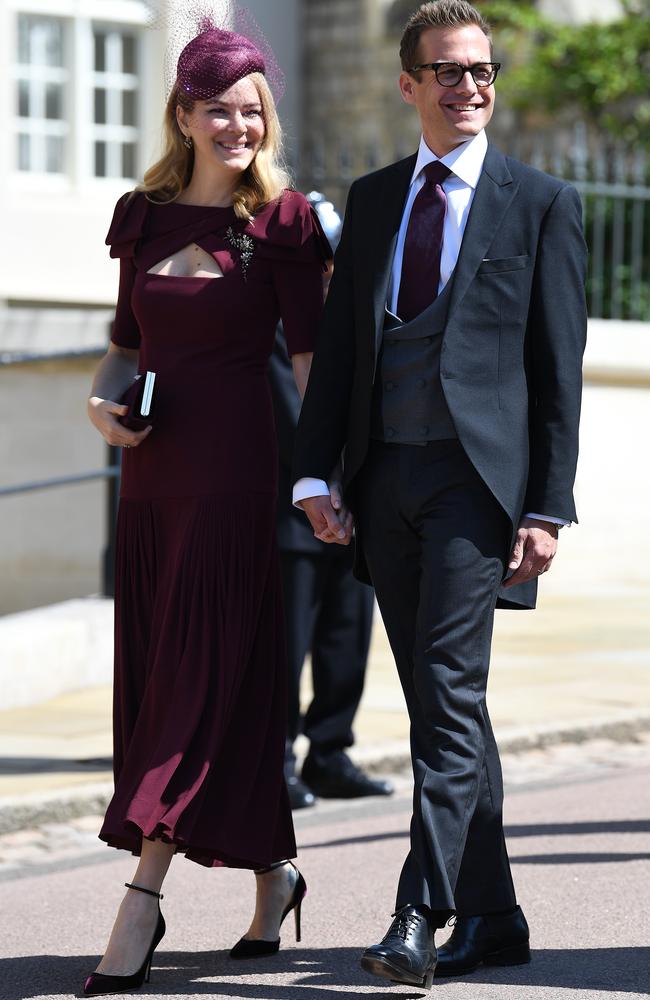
{"points": [[406, 84]]}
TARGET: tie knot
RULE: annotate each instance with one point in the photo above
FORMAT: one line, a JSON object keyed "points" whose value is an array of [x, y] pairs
{"points": [[436, 172]]}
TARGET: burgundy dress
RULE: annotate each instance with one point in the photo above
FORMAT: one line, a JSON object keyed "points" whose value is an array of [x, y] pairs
{"points": [[200, 689]]}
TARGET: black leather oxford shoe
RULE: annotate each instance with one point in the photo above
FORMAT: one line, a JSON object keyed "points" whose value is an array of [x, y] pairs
{"points": [[492, 939], [337, 777], [300, 796], [407, 954]]}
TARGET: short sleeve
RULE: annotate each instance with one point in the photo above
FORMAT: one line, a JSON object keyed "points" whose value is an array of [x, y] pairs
{"points": [[292, 238], [299, 289], [126, 332], [127, 224]]}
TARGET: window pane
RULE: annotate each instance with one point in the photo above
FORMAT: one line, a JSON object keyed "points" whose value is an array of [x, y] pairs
{"points": [[100, 159], [100, 52], [23, 99], [53, 41], [128, 107], [40, 40], [23, 39], [24, 149], [100, 107], [53, 101], [128, 54], [128, 159], [53, 154]]}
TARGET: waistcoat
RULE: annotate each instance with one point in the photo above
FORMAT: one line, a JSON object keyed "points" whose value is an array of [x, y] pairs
{"points": [[408, 404]]}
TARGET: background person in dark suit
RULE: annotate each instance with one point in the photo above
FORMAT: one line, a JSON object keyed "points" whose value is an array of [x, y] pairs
{"points": [[328, 612], [448, 371]]}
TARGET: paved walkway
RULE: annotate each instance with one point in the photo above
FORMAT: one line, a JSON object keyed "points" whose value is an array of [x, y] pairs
{"points": [[576, 666], [580, 859]]}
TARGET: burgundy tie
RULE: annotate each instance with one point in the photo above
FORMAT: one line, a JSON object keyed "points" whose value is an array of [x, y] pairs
{"points": [[423, 245]]}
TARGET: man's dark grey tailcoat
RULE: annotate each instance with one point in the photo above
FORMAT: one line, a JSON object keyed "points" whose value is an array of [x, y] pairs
{"points": [[436, 517], [512, 347]]}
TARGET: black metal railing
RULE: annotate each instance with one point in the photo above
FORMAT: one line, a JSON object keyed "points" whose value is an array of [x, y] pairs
{"points": [[110, 472]]}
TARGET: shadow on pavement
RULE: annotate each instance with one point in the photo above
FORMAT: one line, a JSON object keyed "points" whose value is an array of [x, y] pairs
{"points": [[52, 765], [562, 829], [208, 973], [212, 973], [615, 970], [522, 830], [583, 858]]}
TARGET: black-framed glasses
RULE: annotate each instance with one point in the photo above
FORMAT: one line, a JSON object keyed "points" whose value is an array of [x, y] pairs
{"points": [[449, 74]]}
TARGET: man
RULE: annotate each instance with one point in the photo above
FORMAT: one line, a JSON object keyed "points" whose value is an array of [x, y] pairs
{"points": [[327, 611], [448, 370]]}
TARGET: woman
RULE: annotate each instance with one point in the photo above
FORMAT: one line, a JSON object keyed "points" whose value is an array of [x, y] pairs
{"points": [[213, 251]]}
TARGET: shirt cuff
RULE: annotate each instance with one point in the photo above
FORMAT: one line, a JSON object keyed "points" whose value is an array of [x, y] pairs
{"points": [[306, 488], [554, 520]]}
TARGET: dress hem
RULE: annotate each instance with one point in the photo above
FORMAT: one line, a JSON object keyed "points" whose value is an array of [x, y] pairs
{"points": [[209, 857]]}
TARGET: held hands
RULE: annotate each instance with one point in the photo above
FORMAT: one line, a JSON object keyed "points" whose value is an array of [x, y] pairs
{"points": [[103, 414], [533, 551], [329, 517]]}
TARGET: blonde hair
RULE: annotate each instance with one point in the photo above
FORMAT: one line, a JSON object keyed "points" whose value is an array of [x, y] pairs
{"points": [[261, 182]]}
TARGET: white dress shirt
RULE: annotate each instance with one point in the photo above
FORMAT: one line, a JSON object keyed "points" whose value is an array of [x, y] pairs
{"points": [[466, 164]]}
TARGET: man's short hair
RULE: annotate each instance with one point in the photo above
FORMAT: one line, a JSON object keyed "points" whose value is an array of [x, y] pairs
{"points": [[437, 14]]}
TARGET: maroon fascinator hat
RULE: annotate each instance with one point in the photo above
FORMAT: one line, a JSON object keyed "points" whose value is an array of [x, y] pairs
{"points": [[212, 44], [215, 60]]}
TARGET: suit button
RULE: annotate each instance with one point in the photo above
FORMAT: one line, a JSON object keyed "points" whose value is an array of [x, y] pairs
{"points": [[389, 385], [428, 340], [390, 432], [421, 382], [424, 430]]}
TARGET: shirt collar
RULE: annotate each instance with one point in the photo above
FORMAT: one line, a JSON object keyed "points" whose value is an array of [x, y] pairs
{"points": [[465, 161]]}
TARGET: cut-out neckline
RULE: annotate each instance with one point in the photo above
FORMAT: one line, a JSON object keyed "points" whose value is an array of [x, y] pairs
{"points": [[189, 262]]}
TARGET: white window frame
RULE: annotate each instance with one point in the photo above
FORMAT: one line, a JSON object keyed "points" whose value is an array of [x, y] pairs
{"points": [[37, 126], [114, 82], [81, 17]]}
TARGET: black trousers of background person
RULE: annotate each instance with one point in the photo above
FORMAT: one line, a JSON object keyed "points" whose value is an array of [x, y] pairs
{"points": [[330, 613], [436, 542]]}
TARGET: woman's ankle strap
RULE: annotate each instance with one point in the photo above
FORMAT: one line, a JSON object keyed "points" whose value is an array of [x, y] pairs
{"points": [[149, 892]]}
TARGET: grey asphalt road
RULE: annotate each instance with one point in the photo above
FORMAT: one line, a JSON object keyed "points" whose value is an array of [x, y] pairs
{"points": [[580, 846]]}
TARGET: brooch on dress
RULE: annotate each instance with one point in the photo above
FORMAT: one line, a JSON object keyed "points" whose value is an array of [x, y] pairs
{"points": [[245, 244]]}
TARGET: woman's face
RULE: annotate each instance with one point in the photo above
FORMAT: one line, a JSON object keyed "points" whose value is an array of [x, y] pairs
{"points": [[228, 130]]}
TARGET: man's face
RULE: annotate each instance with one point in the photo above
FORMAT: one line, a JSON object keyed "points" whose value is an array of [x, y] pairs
{"points": [[450, 115]]}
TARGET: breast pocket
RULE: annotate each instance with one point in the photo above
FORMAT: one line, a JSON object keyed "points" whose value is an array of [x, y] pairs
{"points": [[496, 265]]}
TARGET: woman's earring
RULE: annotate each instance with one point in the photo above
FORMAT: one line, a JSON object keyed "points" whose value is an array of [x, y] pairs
{"points": [[187, 141]]}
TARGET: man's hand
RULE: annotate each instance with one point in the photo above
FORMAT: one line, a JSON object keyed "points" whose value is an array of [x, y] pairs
{"points": [[329, 518], [533, 551]]}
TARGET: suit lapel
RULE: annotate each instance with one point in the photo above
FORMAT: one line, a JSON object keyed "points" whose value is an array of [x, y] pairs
{"points": [[494, 192], [389, 216]]}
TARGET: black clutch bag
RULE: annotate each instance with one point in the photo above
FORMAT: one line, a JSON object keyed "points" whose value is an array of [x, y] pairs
{"points": [[139, 399]]}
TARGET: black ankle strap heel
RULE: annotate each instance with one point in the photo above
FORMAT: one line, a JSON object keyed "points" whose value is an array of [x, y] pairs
{"points": [[99, 983], [149, 892], [257, 947]]}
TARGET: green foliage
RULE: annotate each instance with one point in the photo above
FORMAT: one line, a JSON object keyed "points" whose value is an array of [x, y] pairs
{"points": [[599, 72]]}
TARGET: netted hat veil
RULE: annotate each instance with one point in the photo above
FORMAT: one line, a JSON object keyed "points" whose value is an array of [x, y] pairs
{"points": [[212, 45]]}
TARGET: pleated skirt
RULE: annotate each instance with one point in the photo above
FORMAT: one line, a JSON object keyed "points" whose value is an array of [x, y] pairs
{"points": [[200, 681]]}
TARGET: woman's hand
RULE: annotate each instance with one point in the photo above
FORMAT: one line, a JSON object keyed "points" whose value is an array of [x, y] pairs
{"points": [[103, 414]]}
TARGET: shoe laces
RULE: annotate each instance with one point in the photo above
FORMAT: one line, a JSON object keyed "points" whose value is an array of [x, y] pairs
{"points": [[405, 921]]}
